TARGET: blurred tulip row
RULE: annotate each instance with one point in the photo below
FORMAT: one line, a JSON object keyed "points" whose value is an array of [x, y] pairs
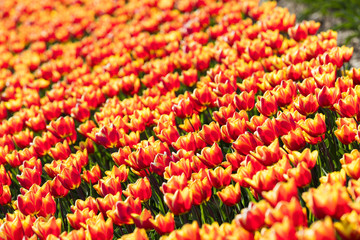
{"points": [[175, 119]]}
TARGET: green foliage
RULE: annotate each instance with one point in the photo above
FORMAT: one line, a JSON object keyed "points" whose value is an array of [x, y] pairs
{"points": [[347, 11]]}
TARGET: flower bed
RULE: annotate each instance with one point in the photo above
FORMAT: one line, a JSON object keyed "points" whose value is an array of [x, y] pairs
{"points": [[181, 119]]}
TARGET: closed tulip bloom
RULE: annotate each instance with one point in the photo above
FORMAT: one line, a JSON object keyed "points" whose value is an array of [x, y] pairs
{"points": [[48, 206], [178, 168], [301, 174], [314, 127], [169, 135], [246, 143], [92, 175], [352, 169], [256, 121], [211, 156], [57, 189], [61, 151], [201, 191], [252, 218], [70, 178], [174, 183], [63, 127], [43, 227], [334, 177], [108, 136], [348, 106], [12, 230], [142, 220], [292, 210], [328, 200], [235, 127], [283, 191], [205, 96], [180, 202], [306, 105], [210, 133], [244, 101], [79, 217], [306, 156], [140, 189], [268, 131], [101, 229], [347, 226], [294, 140], [5, 196], [263, 180], [268, 155], [121, 214], [109, 185], [192, 124], [89, 203], [163, 224], [184, 108], [29, 203], [267, 105], [219, 177], [298, 32], [326, 97], [321, 229], [108, 202], [346, 134], [230, 195], [29, 177]]}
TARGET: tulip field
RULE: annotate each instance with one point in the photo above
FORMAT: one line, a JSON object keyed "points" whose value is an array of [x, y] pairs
{"points": [[175, 119]]}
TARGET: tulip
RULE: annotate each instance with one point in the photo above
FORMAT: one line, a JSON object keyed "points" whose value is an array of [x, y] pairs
{"points": [[100, 229], [252, 218], [283, 191], [314, 127], [70, 178], [230, 195], [163, 224], [180, 202], [331, 200], [140, 189], [43, 227]]}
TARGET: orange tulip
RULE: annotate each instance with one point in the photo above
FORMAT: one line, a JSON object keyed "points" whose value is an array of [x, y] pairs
{"points": [[79, 217], [346, 134], [306, 105], [314, 127], [322, 229], [294, 140], [43, 227], [211, 156], [140, 189], [253, 217], [331, 200], [180, 202], [163, 224], [29, 203], [283, 191], [210, 133], [121, 213], [245, 143], [267, 105], [100, 229], [268, 155], [230, 195], [201, 191], [70, 177]]}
